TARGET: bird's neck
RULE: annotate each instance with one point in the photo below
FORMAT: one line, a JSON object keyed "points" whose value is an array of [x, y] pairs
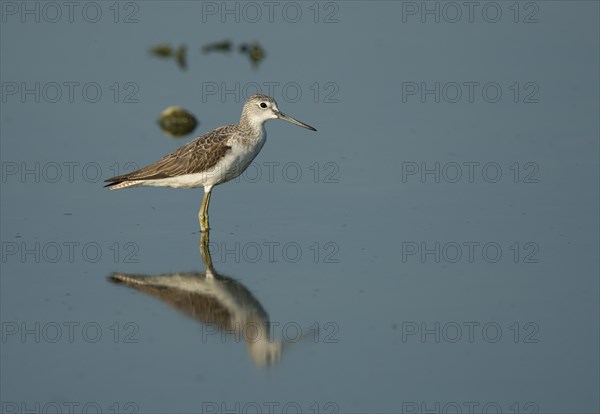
{"points": [[252, 131]]}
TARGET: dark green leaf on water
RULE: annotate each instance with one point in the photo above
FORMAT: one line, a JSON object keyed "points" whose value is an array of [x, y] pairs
{"points": [[164, 50], [254, 51], [223, 46], [180, 57], [176, 121]]}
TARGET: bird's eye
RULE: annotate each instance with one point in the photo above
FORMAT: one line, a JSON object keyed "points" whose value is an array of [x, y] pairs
{"points": [[263, 105]]}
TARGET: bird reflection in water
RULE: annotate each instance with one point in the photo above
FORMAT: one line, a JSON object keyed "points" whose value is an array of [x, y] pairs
{"points": [[216, 300]]}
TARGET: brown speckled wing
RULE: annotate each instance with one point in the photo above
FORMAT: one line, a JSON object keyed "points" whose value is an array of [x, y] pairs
{"points": [[198, 155]]}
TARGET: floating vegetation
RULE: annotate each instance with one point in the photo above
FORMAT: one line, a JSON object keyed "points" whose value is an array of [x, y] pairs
{"points": [[180, 57], [176, 121], [223, 46], [165, 51], [255, 52]]}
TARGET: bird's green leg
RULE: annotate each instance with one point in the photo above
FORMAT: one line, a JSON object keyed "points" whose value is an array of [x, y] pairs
{"points": [[203, 214]]}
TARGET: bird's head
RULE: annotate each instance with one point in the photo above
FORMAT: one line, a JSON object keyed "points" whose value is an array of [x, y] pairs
{"points": [[258, 109]]}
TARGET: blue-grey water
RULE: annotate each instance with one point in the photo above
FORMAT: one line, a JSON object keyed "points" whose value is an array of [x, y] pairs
{"points": [[432, 248]]}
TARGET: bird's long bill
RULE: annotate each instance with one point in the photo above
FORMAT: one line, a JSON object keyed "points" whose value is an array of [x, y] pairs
{"points": [[285, 117]]}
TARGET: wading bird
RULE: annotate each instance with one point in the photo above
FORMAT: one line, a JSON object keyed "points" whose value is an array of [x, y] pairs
{"points": [[211, 159]]}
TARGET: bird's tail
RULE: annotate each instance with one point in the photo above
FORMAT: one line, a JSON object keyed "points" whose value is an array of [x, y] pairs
{"points": [[116, 185]]}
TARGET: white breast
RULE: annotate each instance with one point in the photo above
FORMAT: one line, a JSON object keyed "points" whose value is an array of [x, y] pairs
{"points": [[229, 167]]}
